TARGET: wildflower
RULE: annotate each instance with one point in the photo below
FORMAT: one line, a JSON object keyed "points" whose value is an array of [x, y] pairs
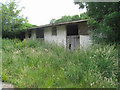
{"points": [[92, 84], [46, 50], [53, 75]]}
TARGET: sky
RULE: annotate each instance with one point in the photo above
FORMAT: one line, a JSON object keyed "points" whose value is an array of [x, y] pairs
{"points": [[40, 12]]}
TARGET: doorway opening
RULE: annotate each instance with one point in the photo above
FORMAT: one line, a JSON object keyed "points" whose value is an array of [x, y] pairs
{"points": [[72, 39], [40, 33]]}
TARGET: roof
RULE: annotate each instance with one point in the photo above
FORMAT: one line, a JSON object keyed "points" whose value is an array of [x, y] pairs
{"points": [[57, 24]]}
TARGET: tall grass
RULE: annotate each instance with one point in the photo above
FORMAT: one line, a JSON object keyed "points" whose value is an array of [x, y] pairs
{"points": [[40, 64]]}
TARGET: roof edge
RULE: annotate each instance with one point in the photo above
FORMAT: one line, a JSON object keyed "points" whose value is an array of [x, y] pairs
{"points": [[56, 24]]}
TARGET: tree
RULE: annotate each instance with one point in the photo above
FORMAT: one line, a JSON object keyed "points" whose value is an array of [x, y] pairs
{"points": [[84, 16], [69, 18], [12, 23], [104, 18], [52, 21], [75, 17], [64, 19]]}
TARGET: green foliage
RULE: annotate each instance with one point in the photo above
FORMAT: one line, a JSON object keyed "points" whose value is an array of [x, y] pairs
{"points": [[84, 16], [104, 19], [69, 18], [52, 21], [38, 64], [11, 21], [64, 19], [13, 25]]}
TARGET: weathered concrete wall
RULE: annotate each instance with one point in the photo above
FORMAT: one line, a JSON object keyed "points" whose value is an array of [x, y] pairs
{"points": [[85, 41], [33, 34], [83, 31], [60, 38], [26, 35]]}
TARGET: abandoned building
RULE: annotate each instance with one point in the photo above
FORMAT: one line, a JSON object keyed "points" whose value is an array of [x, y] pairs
{"points": [[72, 35]]}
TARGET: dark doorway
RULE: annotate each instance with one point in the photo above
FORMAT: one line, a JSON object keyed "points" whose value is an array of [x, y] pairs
{"points": [[40, 33], [72, 39], [72, 30]]}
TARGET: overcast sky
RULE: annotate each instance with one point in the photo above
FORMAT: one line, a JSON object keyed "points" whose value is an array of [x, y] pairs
{"points": [[40, 12]]}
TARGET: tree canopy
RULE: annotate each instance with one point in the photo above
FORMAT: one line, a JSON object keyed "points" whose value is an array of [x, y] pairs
{"points": [[69, 18], [104, 18], [12, 23]]}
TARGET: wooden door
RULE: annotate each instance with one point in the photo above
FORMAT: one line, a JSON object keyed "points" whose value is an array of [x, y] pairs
{"points": [[72, 42]]}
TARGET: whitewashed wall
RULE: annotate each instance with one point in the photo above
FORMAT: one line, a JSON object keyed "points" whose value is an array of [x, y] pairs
{"points": [[26, 35], [83, 31], [60, 38], [33, 34], [85, 41]]}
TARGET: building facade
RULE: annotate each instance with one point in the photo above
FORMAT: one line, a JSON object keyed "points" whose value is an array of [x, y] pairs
{"points": [[72, 35]]}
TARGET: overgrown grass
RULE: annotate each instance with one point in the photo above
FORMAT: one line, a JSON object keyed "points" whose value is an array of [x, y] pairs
{"points": [[39, 64]]}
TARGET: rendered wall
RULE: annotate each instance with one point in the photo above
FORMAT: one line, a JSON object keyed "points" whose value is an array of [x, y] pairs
{"points": [[83, 31], [26, 35], [85, 41], [33, 34], [59, 39]]}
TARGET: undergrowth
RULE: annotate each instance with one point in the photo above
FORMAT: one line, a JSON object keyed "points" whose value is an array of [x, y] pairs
{"points": [[38, 64]]}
